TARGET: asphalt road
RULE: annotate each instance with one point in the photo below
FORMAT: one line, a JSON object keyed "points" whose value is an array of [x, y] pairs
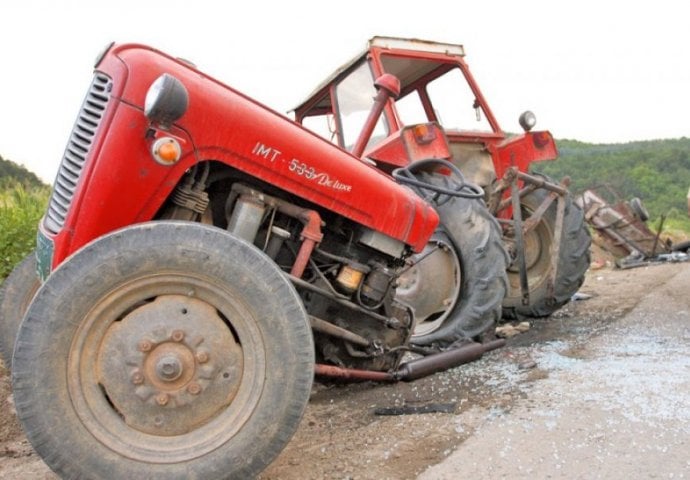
{"points": [[615, 407]]}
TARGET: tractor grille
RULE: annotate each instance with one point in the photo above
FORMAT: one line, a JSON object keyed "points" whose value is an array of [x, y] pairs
{"points": [[77, 151]]}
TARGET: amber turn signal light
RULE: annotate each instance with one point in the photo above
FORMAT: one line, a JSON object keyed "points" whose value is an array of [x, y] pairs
{"points": [[166, 151]]}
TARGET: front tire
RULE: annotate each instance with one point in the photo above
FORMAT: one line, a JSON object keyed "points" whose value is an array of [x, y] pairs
{"points": [[164, 350], [15, 296]]}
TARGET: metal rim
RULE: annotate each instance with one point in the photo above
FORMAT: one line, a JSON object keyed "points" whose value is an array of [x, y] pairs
{"points": [[439, 265], [99, 408]]}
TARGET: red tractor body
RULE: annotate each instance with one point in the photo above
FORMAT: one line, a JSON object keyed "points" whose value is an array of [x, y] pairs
{"points": [[108, 161]]}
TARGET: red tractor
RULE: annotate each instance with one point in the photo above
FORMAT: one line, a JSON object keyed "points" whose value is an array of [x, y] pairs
{"points": [[202, 257]]}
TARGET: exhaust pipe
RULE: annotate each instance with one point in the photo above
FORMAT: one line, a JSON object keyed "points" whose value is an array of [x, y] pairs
{"points": [[438, 362], [417, 368]]}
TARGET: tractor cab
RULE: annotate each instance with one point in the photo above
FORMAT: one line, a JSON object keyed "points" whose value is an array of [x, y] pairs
{"points": [[439, 113]]}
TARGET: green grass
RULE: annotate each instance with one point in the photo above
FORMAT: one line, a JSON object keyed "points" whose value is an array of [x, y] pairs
{"points": [[20, 211]]}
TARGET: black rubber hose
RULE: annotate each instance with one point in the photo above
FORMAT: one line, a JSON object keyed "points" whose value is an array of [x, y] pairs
{"points": [[460, 187]]}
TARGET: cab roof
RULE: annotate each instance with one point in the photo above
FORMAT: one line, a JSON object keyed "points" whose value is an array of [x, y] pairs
{"points": [[388, 43]]}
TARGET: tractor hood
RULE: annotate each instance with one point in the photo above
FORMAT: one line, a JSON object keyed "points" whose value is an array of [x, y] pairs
{"points": [[224, 125]]}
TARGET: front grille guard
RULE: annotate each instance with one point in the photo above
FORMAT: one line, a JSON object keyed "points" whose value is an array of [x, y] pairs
{"points": [[77, 152]]}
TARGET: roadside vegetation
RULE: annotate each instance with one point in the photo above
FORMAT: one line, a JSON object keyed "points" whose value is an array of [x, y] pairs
{"points": [[23, 199]]}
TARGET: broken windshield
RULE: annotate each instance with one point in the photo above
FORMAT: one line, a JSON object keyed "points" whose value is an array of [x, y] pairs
{"points": [[435, 91], [355, 96]]}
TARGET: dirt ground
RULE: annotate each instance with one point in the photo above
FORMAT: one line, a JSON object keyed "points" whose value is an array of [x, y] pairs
{"points": [[599, 390]]}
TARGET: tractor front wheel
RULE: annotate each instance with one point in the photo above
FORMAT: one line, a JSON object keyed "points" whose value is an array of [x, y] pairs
{"points": [[165, 350]]}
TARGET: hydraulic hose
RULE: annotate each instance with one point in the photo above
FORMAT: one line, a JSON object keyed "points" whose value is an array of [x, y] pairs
{"points": [[459, 187]]}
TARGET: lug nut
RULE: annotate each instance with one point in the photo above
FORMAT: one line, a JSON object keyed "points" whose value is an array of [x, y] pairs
{"points": [[177, 335], [202, 356], [194, 388], [145, 345], [137, 378], [162, 399]]}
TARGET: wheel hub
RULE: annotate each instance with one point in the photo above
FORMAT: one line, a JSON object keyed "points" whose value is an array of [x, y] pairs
{"points": [[169, 368], [170, 365], [436, 266]]}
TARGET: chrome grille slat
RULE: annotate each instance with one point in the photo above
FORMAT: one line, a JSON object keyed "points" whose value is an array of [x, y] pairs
{"points": [[77, 151]]}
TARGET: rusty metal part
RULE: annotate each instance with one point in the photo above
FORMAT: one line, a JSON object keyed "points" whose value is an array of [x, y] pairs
{"points": [[335, 331], [556, 250], [659, 229], [527, 245], [501, 186], [519, 242], [137, 377], [298, 282], [554, 194], [438, 265], [169, 366], [619, 229], [311, 234], [539, 182], [145, 345], [530, 183], [187, 347], [414, 369], [438, 362], [352, 374]]}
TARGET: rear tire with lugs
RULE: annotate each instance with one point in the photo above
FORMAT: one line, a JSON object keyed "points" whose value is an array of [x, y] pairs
{"points": [[470, 241], [573, 261], [166, 350]]}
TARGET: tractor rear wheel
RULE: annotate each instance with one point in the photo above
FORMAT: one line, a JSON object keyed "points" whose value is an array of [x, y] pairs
{"points": [[573, 261], [166, 350], [458, 282], [15, 296]]}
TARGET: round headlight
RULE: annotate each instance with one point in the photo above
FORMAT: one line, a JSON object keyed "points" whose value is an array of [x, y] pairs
{"points": [[528, 120], [166, 100]]}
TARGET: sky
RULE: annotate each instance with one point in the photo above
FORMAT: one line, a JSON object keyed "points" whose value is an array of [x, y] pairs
{"points": [[595, 71]]}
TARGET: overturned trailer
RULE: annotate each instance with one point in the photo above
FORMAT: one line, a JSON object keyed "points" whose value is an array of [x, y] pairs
{"points": [[620, 227]]}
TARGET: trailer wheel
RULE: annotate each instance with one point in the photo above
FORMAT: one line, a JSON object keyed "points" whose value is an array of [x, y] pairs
{"points": [[458, 285], [166, 350], [573, 261], [16, 294]]}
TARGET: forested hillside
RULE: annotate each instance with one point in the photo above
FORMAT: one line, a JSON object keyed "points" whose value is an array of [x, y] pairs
{"points": [[12, 174], [656, 171]]}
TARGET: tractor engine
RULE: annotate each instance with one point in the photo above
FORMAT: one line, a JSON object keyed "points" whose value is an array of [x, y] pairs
{"points": [[345, 273]]}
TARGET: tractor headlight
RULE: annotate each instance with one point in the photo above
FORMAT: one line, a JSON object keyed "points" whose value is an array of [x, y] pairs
{"points": [[527, 120], [166, 100]]}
